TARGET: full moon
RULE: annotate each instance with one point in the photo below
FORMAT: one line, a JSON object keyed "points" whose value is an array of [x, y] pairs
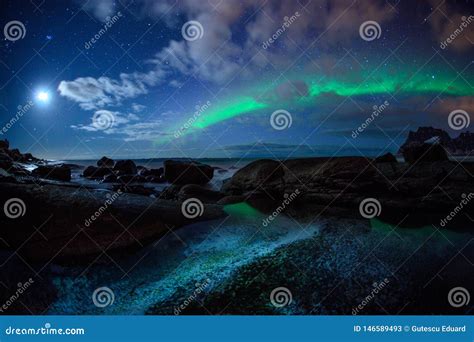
{"points": [[43, 96]]}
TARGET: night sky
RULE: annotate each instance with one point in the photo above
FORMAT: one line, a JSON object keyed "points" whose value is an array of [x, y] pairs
{"points": [[196, 78]]}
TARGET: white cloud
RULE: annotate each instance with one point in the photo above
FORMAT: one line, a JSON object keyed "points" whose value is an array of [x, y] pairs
{"points": [[126, 126], [93, 93]]}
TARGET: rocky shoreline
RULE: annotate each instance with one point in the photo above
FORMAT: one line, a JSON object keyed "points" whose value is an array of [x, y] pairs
{"points": [[418, 193], [66, 223]]}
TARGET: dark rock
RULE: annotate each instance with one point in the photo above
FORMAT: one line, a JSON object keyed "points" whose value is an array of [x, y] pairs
{"points": [[96, 172], [6, 177], [28, 157], [153, 179], [231, 200], [4, 144], [151, 172], [255, 174], [171, 192], [62, 173], [424, 153], [462, 145], [6, 161], [181, 172], [417, 194], [75, 229], [131, 179], [109, 178], [15, 155], [135, 189], [386, 158], [105, 162], [200, 192], [125, 167]]}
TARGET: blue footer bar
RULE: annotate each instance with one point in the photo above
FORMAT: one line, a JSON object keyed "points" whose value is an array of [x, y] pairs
{"points": [[237, 328]]}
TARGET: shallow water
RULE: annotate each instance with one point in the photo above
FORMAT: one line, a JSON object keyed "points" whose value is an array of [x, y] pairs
{"points": [[211, 253], [190, 255]]}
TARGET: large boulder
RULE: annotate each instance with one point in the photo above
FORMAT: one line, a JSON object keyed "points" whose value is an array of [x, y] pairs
{"points": [[6, 161], [130, 179], [254, 175], [386, 158], [200, 192], [125, 167], [184, 172], [151, 172], [416, 152], [105, 162], [78, 224], [16, 155], [4, 144], [96, 172], [62, 173]]}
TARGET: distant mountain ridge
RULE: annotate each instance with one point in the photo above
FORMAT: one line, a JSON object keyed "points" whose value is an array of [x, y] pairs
{"points": [[462, 145]]}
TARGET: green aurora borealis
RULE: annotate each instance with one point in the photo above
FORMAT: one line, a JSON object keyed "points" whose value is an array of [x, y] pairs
{"points": [[263, 98]]}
